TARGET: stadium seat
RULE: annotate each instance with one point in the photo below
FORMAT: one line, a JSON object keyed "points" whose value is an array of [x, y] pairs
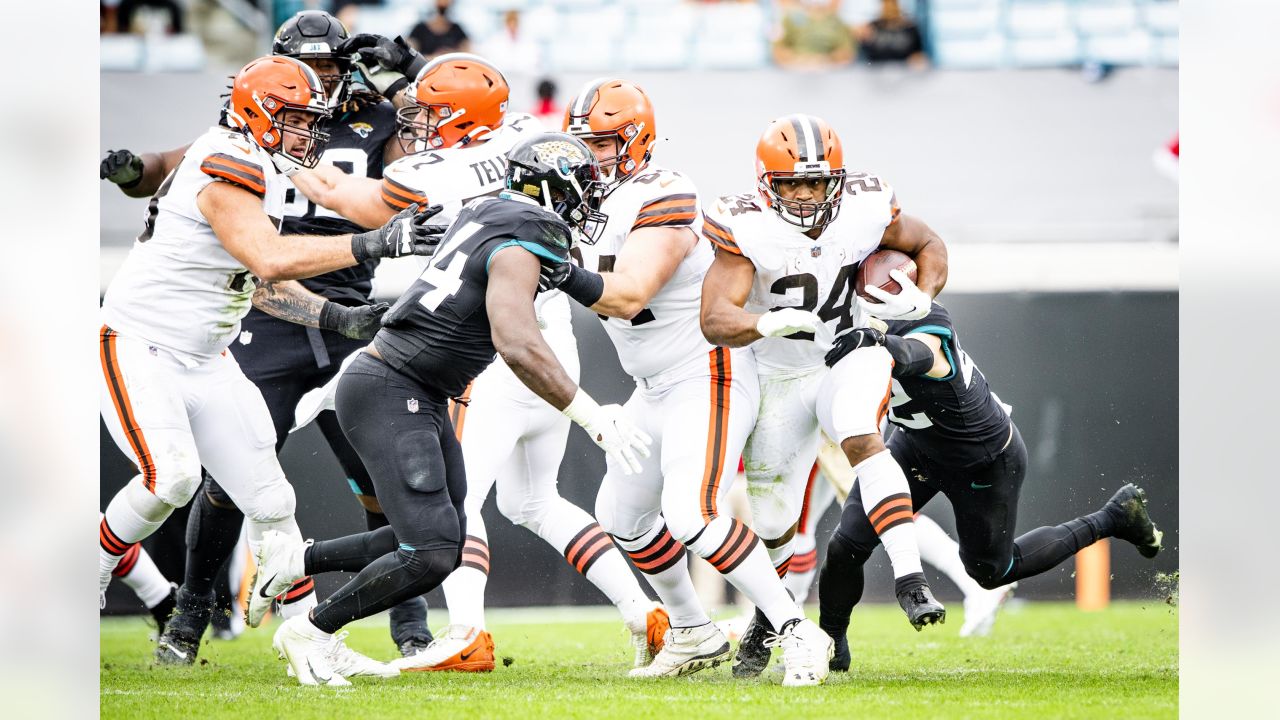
{"points": [[1039, 52], [1161, 17], [1106, 17], [1040, 19], [969, 22], [982, 53], [1132, 48]]}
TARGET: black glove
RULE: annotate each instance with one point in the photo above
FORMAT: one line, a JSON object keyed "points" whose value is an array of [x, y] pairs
{"points": [[388, 65], [551, 277], [853, 340], [408, 233], [121, 167], [358, 323]]}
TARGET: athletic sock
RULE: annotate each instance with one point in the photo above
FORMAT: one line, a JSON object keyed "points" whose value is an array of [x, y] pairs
{"points": [[213, 529], [734, 550], [804, 564], [464, 588], [888, 498], [665, 566], [939, 550], [840, 584], [140, 573], [132, 515], [1044, 548]]}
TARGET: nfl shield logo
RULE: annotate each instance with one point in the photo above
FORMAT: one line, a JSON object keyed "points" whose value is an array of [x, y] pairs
{"points": [[815, 251], [413, 405]]}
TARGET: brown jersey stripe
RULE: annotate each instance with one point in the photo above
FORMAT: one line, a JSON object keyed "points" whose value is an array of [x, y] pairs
{"points": [[250, 170], [124, 410], [667, 202], [681, 219], [394, 202], [719, 235], [402, 190], [247, 176]]}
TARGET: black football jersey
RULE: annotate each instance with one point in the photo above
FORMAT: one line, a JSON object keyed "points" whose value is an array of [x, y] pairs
{"points": [[357, 133], [438, 331], [954, 420]]}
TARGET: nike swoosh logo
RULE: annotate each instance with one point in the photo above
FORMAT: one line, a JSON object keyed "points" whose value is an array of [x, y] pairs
{"points": [[976, 486], [174, 650], [323, 680], [262, 592], [464, 656], [665, 183]]}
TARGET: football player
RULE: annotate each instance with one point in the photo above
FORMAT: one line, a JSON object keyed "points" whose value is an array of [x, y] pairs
{"points": [[955, 437], [643, 276], [476, 296], [783, 283], [282, 358], [172, 397]]}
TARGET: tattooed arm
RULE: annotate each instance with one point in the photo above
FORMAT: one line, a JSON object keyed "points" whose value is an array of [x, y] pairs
{"points": [[290, 300]]}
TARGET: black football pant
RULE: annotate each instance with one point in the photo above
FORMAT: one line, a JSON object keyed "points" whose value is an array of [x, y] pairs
{"points": [[985, 501], [285, 361], [402, 432]]}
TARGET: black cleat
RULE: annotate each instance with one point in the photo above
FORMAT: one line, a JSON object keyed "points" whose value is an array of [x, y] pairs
{"points": [[753, 656], [921, 607], [164, 608], [1129, 507], [180, 642], [841, 660]]}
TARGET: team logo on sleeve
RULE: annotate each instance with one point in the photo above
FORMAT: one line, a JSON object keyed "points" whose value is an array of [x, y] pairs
{"points": [[362, 129]]}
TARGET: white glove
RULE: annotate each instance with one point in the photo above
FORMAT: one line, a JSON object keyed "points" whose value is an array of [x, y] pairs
{"points": [[787, 321], [911, 303], [610, 429]]}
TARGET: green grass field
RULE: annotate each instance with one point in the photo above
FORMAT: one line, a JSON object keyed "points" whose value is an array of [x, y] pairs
{"points": [[1045, 660]]}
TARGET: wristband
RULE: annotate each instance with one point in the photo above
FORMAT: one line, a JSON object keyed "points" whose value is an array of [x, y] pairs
{"points": [[584, 286], [331, 316], [582, 408], [910, 356]]}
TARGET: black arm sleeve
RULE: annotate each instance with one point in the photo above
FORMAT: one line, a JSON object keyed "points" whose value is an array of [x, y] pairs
{"points": [[910, 356]]}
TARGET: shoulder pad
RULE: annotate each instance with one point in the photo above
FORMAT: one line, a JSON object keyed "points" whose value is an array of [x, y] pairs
{"points": [[665, 199], [872, 193], [230, 158], [401, 180]]}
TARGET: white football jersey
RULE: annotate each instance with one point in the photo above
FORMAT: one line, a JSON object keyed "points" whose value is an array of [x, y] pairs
{"points": [[796, 271], [667, 332], [453, 176], [179, 288]]}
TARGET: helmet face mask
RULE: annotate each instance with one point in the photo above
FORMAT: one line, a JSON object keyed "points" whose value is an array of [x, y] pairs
{"points": [[560, 173], [805, 214]]}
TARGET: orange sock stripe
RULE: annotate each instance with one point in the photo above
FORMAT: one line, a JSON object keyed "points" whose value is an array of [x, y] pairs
{"points": [[299, 590], [476, 560], [664, 552], [127, 561], [124, 410], [592, 553], [893, 502], [893, 520], [585, 543], [804, 562], [783, 567], [109, 540], [731, 554], [717, 430]]}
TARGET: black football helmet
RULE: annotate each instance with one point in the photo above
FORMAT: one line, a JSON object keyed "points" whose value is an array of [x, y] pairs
{"points": [[315, 35], [560, 173]]}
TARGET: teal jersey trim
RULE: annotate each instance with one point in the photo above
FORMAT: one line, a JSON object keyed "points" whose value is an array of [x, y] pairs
{"points": [[354, 487], [946, 336], [534, 248]]}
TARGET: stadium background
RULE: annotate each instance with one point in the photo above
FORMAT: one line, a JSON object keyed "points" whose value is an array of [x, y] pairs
{"points": [[1028, 145]]}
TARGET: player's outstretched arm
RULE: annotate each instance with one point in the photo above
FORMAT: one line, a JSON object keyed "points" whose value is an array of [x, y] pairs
{"points": [[513, 282], [356, 198], [238, 220], [139, 176], [912, 236], [290, 300], [647, 261]]}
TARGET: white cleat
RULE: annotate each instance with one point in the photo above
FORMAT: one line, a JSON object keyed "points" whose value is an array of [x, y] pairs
{"points": [[458, 648], [647, 637], [280, 564], [307, 649], [806, 653], [981, 608], [348, 663], [687, 650]]}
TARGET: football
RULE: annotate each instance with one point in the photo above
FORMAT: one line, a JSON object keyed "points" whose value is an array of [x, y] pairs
{"points": [[874, 272]]}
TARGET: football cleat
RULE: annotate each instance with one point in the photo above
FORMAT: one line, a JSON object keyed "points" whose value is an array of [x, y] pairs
{"points": [[279, 564], [1133, 524], [307, 649], [687, 650], [647, 639], [806, 653], [180, 641], [348, 663], [458, 648], [980, 610], [841, 658], [921, 607], [753, 654]]}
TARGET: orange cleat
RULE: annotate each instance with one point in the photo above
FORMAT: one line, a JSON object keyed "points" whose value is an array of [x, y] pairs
{"points": [[458, 648]]}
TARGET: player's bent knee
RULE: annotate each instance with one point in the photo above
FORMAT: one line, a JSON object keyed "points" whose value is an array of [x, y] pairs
{"points": [[427, 568], [987, 573], [861, 447], [179, 484], [270, 502], [840, 547]]}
